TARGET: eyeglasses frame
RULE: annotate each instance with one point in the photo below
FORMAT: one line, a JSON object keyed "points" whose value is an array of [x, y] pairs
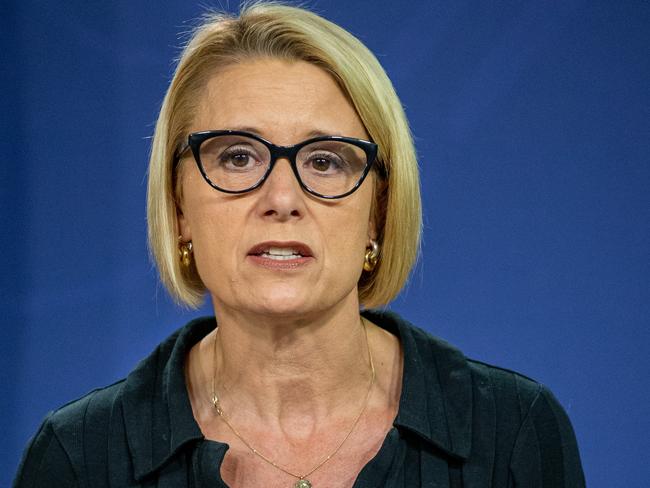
{"points": [[195, 139]]}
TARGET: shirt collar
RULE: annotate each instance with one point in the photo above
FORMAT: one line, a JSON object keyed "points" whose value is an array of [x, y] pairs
{"points": [[435, 404], [157, 411], [436, 400]]}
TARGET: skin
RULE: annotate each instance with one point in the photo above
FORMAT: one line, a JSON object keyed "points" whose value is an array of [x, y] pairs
{"points": [[291, 356]]}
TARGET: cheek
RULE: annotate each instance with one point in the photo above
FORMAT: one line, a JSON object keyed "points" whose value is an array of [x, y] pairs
{"points": [[215, 234], [204, 212], [348, 235]]}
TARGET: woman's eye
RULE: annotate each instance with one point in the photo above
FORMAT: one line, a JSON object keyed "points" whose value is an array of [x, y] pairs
{"points": [[321, 164], [238, 159], [325, 163]]}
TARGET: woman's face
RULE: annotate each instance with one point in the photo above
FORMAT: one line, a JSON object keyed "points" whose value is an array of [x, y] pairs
{"points": [[237, 239]]}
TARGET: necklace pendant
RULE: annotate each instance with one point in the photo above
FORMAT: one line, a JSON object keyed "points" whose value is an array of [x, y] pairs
{"points": [[302, 483]]}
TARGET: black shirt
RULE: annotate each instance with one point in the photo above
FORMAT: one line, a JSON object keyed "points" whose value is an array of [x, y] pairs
{"points": [[461, 423]]}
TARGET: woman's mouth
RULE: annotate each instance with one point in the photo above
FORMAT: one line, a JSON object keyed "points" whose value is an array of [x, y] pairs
{"points": [[281, 255]]}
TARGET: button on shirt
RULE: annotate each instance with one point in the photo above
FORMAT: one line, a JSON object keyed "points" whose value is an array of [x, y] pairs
{"points": [[461, 423]]}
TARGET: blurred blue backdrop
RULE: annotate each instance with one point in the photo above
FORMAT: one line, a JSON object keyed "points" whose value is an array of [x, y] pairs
{"points": [[532, 123]]}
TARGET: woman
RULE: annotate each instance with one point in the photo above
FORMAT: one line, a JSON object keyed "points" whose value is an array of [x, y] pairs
{"points": [[283, 182]]}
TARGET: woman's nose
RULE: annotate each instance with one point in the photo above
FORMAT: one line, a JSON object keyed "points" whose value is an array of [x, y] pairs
{"points": [[281, 195]]}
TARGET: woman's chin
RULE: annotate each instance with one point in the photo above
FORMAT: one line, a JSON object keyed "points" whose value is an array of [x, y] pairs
{"points": [[283, 300], [283, 305]]}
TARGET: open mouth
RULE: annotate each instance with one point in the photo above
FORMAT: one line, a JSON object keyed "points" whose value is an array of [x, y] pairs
{"points": [[281, 251]]}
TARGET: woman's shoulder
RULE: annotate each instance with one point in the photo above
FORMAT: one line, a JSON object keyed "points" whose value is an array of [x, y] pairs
{"points": [[88, 416], [93, 430], [446, 361], [502, 423], [98, 405], [66, 438], [508, 387]]}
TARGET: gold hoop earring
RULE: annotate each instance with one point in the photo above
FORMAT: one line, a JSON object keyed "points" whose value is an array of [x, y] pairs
{"points": [[185, 253], [371, 257]]}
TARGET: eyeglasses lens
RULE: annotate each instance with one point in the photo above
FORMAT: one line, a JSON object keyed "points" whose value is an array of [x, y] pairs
{"points": [[234, 163], [330, 167]]}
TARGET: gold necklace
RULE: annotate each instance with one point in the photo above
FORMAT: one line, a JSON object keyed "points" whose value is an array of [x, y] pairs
{"points": [[302, 482]]}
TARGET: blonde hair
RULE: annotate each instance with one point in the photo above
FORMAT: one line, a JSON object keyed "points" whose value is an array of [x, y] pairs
{"points": [[270, 29]]}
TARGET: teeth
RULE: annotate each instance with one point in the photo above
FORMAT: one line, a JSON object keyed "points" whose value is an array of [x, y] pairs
{"points": [[282, 251], [278, 257]]}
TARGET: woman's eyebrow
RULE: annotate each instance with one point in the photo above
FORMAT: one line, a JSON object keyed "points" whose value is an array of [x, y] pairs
{"points": [[319, 133], [252, 130], [308, 135]]}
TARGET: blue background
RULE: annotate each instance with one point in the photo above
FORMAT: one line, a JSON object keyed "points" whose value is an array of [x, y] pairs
{"points": [[532, 122]]}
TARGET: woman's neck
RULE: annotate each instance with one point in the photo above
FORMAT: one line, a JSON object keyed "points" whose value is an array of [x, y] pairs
{"points": [[283, 371]]}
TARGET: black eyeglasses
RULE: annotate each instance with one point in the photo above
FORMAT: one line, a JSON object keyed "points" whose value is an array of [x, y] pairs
{"points": [[238, 162]]}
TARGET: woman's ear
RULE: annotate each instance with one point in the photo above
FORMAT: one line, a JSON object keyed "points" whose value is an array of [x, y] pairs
{"points": [[183, 225], [183, 222], [372, 228], [377, 209]]}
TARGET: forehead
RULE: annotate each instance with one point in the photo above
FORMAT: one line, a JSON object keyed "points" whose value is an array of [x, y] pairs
{"points": [[282, 100]]}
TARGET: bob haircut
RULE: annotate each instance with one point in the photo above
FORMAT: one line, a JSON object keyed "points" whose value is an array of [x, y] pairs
{"points": [[271, 29]]}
